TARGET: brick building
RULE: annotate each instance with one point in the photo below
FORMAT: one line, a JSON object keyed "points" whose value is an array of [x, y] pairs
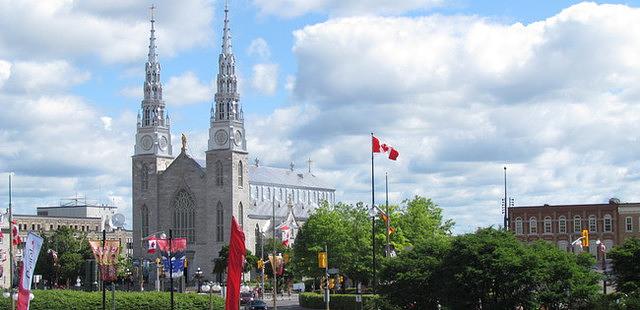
{"points": [[562, 224]]}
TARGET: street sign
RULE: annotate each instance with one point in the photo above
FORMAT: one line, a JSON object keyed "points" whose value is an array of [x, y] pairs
{"points": [[334, 270]]}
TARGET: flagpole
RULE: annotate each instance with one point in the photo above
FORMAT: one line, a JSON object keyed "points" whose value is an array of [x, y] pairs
{"points": [[373, 220], [387, 250], [273, 256], [171, 265], [104, 291], [13, 302]]}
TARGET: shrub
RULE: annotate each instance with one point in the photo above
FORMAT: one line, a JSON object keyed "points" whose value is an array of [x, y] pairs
{"points": [[337, 301], [78, 300]]}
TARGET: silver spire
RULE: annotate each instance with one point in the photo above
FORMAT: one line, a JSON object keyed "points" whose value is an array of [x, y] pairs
{"points": [[153, 55]]}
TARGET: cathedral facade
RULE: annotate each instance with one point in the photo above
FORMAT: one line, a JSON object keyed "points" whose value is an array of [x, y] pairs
{"points": [[196, 199]]}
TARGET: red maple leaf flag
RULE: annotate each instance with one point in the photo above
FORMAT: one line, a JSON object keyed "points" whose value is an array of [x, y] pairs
{"points": [[153, 245], [377, 147]]}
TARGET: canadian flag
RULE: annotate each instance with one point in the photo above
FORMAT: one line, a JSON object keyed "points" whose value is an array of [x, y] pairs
{"points": [[153, 245], [15, 236], [378, 147]]}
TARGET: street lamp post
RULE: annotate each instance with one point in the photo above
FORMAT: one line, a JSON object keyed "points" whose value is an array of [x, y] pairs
{"points": [[198, 277]]}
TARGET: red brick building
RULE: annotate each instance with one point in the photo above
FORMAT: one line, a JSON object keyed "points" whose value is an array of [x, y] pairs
{"points": [[562, 224]]}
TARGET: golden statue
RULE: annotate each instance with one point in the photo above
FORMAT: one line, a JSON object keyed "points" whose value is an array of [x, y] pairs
{"points": [[184, 142]]}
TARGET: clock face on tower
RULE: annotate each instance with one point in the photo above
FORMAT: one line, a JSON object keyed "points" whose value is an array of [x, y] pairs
{"points": [[221, 137], [163, 143], [238, 138], [147, 142]]}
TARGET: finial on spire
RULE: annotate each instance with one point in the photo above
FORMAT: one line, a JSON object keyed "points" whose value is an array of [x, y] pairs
{"points": [[309, 162], [151, 10], [226, 33]]}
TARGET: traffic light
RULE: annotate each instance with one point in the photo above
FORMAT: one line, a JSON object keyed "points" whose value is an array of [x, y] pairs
{"points": [[332, 283], [260, 264], [585, 237], [322, 259], [341, 279]]}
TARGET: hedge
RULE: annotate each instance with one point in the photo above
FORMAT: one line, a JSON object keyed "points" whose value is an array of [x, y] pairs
{"points": [[336, 301], [78, 300]]}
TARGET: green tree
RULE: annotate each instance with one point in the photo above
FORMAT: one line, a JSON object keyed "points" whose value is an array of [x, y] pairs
{"points": [[564, 279], [412, 277], [626, 269], [73, 250], [221, 262], [343, 229]]}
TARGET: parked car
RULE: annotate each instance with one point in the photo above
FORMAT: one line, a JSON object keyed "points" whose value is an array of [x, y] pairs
{"points": [[256, 304], [246, 297]]}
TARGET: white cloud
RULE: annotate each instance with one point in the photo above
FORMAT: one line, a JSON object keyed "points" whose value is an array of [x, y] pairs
{"points": [[290, 84], [293, 8], [106, 122], [460, 96], [39, 77], [259, 48], [265, 78], [117, 33], [5, 71], [187, 89]]}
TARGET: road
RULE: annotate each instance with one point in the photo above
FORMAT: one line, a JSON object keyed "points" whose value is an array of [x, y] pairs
{"points": [[285, 302]]}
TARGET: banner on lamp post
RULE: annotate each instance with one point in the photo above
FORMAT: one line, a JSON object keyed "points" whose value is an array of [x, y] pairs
{"points": [[30, 258]]}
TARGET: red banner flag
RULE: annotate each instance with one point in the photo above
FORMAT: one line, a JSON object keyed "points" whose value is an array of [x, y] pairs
{"points": [[235, 264]]}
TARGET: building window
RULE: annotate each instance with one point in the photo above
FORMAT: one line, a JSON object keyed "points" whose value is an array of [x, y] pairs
{"points": [[51, 227], [240, 178], [628, 223], [219, 223], [144, 177], [240, 215], [593, 224], [219, 176], [533, 226], [577, 226], [547, 225], [518, 226], [184, 215], [562, 225], [607, 223], [144, 212]]}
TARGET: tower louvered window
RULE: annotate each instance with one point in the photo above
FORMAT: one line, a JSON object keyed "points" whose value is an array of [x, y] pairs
{"points": [[240, 178], [219, 223], [144, 177], [145, 220], [184, 215], [219, 176]]}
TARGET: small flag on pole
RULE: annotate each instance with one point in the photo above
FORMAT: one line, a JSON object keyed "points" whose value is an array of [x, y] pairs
{"points": [[153, 245]]}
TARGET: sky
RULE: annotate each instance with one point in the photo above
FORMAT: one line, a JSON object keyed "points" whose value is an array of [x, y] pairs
{"points": [[460, 88]]}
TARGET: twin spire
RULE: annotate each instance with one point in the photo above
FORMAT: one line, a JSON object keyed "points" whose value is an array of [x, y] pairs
{"points": [[153, 107]]}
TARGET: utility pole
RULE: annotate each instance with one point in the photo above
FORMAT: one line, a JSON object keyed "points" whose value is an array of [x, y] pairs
{"points": [[273, 255], [326, 274], [11, 262], [387, 249], [505, 203]]}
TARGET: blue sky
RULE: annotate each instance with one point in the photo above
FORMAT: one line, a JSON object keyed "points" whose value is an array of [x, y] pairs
{"points": [[461, 88]]}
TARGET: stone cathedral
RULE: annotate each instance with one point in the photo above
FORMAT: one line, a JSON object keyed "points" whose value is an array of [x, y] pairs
{"points": [[197, 199]]}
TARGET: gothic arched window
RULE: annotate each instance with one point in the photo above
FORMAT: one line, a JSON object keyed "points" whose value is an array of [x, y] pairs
{"points": [[240, 178], [240, 215], [144, 212], [144, 177], [184, 216], [219, 223], [219, 176]]}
